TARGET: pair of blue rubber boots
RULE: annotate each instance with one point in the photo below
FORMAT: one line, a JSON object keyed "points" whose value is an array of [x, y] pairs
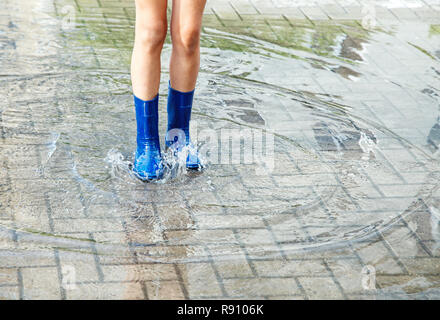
{"points": [[148, 163]]}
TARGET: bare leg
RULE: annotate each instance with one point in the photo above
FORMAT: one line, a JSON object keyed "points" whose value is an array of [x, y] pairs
{"points": [[150, 33], [186, 24]]}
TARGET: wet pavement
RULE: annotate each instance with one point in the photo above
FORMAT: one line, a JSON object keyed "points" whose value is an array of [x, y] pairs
{"points": [[318, 122]]}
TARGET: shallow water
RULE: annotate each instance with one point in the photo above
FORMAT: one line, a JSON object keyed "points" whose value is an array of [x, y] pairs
{"points": [[349, 149]]}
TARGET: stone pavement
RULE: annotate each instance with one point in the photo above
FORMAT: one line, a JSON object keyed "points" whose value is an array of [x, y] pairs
{"points": [[67, 251], [385, 11]]}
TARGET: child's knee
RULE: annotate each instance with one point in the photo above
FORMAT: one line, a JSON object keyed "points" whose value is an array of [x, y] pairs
{"points": [[186, 39], [152, 36]]}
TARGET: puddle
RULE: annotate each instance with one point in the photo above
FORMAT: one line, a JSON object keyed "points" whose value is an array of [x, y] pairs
{"points": [[320, 164]]}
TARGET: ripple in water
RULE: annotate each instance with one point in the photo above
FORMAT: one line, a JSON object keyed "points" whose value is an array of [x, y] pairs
{"points": [[313, 190], [285, 170]]}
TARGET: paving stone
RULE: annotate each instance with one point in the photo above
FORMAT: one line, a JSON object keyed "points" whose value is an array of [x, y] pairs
{"points": [[8, 277], [314, 13], [41, 283], [106, 291], [320, 288], [76, 225], [291, 268], [15, 258], [268, 286], [349, 274], [197, 246], [370, 253], [422, 266], [81, 266], [160, 290], [404, 14], [201, 280], [243, 7], [404, 243], [225, 12], [236, 268], [138, 273], [9, 293]]}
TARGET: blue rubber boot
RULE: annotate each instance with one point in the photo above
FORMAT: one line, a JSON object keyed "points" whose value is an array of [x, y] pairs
{"points": [[148, 160], [179, 115]]}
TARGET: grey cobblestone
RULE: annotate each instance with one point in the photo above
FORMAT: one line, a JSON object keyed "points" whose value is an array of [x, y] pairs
{"points": [[328, 274]]}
